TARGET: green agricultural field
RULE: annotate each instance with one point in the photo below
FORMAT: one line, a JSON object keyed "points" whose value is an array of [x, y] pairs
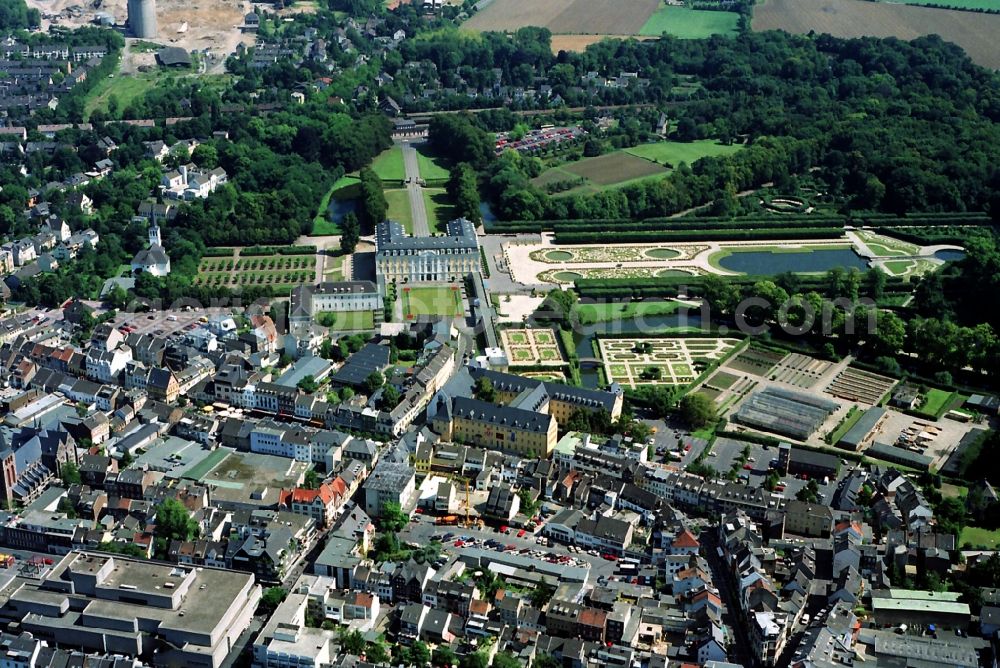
{"points": [[399, 208], [993, 5], [673, 153], [611, 170], [439, 208], [689, 23], [346, 320], [388, 165], [445, 301], [591, 313]]}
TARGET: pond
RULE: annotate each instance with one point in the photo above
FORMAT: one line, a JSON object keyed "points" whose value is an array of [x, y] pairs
{"points": [[950, 255], [762, 263], [486, 212], [341, 207]]}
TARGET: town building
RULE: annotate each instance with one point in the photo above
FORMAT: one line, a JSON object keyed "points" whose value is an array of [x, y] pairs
{"points": [[167, 615]]}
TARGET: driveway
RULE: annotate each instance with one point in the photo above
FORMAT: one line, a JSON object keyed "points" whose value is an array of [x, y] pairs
{"points": [[416, 193]]}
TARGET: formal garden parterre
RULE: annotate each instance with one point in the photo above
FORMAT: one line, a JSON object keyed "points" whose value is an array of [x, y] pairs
{"points": [[529, 347], [275, 270], [660, 361]]}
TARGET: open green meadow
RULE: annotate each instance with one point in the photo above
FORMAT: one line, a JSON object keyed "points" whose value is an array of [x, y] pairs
{"points": [[689, 23], [979, 538], [432, 169], [673, 153]]}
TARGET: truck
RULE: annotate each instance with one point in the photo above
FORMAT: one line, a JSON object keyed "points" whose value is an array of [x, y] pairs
{"points": [[6, 560], [447, 520]]}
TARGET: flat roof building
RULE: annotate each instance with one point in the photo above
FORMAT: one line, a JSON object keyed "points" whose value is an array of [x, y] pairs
{"points": [[863, 430], [168, 615]]}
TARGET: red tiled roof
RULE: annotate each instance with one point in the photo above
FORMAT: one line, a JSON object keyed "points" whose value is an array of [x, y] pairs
{"points": [[686, 539]]}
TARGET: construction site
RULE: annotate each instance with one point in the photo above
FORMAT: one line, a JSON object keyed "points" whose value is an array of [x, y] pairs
{"points": [[210, 28]]}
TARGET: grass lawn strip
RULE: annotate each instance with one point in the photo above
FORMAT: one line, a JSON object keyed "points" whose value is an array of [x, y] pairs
{"points": [[978, 537], [399, 208], [340, 321], [444, 301], [431, 168], [591, 313], [388, 165]]}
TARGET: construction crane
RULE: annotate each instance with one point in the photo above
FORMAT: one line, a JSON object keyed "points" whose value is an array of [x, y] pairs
{"points": [[469, 520]]}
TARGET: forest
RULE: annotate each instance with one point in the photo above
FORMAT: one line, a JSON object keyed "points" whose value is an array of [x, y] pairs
{"points": [[886, 125]]}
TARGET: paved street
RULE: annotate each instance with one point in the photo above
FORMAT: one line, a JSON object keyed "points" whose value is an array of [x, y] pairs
{"points": [[415, 191]]}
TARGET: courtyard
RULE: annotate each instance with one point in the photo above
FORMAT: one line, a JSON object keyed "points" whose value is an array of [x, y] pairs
{"points": [[661, 361], [442, 300]]}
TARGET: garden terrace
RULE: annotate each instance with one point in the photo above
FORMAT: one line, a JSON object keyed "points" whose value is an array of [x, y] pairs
{"points": [[863, 386], [799, 370]]}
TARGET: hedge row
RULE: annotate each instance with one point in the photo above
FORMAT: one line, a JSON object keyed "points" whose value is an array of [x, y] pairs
{"points": [[878, 220], [669, 286], [278, 250], [700, 235], [218, 252]]}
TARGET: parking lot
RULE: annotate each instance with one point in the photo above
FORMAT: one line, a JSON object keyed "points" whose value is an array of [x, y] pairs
{"points": [[423, 530], [668, 437], [726, 451], [165, 323]]}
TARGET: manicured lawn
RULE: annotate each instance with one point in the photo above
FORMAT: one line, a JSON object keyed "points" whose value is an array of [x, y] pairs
{"points": [[936, 402], [689, 23], [431, 168], [399, 208], [673, 153], [346, 320], [898, 267], [980, 537], [590, 313], [322, 225], [446, 301], [388, 165], [440, 210], [344, 186]]}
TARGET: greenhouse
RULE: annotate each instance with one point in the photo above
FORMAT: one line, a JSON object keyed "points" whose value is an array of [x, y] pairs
{"points": [[780, 411]]}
